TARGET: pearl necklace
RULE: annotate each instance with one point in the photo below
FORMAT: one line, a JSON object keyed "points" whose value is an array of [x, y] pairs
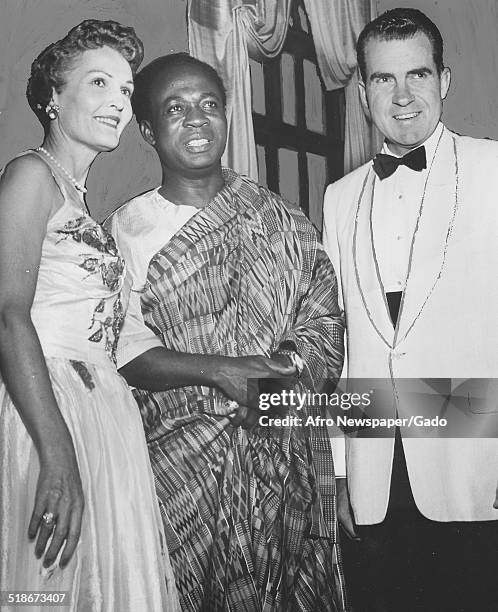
{"points": [[69, 176]]}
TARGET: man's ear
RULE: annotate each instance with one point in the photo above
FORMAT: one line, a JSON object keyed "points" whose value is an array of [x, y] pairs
{"points": [[146, 131], [445, 79], [363, 97]]}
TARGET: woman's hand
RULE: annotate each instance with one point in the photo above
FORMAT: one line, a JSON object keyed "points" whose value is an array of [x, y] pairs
{"points": [[58, 507]]}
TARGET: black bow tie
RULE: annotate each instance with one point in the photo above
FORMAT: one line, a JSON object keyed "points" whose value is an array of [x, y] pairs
{"points": [[385, 165]]}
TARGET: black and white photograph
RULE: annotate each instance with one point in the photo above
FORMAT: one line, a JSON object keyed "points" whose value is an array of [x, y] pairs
{"points": [[248, 305]]}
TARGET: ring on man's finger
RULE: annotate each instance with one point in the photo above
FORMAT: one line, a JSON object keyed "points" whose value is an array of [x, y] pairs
{"points": [[48, 519]]}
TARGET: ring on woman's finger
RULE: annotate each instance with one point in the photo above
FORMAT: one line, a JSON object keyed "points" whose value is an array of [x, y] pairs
{"points": [[48, 519]]}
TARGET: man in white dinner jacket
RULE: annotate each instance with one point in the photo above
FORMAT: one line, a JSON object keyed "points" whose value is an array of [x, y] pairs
{"points": [[413, 239]]}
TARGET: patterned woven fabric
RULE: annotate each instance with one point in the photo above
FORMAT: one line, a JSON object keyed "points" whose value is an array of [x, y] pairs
{"points": [[249, 516]]}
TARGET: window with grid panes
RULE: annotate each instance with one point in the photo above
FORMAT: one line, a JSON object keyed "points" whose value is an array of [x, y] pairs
{"points": [[298, 126]]}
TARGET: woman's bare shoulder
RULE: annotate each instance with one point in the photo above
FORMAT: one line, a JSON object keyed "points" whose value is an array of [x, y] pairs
{"points": [[30, 178]]}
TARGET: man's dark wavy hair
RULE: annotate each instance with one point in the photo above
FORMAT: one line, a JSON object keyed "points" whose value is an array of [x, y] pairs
{"points": [[146, 77], [400, 24], [49, 68]]}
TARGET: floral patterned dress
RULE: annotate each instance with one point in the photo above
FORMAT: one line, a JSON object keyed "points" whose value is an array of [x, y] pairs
{"points": [[120, 562]]}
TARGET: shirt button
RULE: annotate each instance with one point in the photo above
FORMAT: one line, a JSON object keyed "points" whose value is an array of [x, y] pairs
{"points": [[398, 237], [400, 197]]}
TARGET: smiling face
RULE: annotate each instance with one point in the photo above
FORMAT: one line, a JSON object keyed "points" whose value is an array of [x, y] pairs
{"points": [[403, 91], [95, 100], [187, 126]]}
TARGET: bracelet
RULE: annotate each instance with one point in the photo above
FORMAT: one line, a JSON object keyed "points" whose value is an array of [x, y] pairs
{"points": [[296, 360]]}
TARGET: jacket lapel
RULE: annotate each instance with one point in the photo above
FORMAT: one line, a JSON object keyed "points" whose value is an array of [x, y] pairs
{"points": [[430, 241], [365, 264]]}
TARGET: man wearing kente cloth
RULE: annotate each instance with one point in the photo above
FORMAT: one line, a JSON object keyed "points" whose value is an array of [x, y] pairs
{"points": [[234, 284]]}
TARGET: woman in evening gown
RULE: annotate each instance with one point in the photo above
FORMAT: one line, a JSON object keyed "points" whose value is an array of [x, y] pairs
{"points": [[78, 511]]}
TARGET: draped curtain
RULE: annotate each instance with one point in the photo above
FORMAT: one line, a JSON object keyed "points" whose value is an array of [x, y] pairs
{"points": [[225, 33], [336, 25]]}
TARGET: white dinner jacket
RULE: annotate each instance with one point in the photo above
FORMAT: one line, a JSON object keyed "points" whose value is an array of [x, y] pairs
{"points": [[447, 327]]}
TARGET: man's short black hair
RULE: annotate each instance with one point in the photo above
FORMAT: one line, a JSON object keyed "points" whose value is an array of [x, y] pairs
{"points": [[400, 24], [145, 79]]}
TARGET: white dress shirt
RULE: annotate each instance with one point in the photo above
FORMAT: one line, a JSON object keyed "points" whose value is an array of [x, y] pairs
{"points": [[395, 211], [141, 228]]}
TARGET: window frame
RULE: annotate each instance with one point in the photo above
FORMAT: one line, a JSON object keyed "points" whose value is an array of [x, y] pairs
{"points": [[272, 133]]}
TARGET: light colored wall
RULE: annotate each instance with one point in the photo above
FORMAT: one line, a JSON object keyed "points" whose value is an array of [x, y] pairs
{"points": [[469, 29], [27, 27]]}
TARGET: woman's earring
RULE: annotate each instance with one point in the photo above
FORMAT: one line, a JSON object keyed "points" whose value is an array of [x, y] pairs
{"points": [[52, 110]]}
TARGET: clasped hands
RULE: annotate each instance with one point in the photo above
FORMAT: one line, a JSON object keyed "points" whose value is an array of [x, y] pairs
{"points": [[241, 379]]}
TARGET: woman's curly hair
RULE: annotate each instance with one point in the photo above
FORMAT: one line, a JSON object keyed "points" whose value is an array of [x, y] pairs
{"points": [[49, 68]]}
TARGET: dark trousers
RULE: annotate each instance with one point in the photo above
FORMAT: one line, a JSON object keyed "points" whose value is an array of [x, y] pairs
{"points": [[409, 563]]}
